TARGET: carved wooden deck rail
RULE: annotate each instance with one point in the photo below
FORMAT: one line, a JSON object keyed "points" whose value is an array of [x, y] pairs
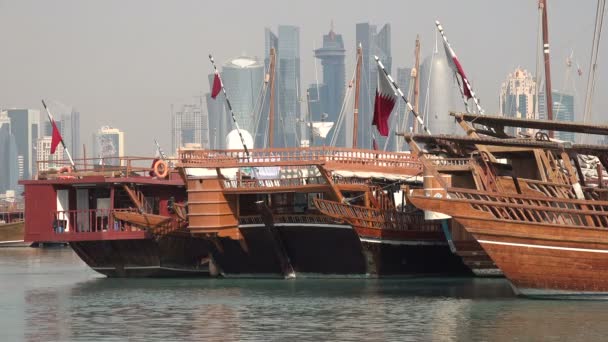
{"points": [[90, 220], [580, 213], [297, 156], [111, 166], [271, 183], [376, 218], [293, 218]]}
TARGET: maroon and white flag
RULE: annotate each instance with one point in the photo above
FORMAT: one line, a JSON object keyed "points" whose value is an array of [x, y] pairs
{"points": [[384, 103], [217, 86], [457, 68], [55, 137]]}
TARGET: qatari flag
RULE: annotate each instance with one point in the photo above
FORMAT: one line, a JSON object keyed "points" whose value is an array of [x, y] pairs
{"points": [[457, 68], [55, 137], [384, 103], [217, 86]]}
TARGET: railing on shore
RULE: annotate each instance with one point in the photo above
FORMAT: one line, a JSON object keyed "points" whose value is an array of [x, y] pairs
{"points": [[92, 220], [321, 155]]}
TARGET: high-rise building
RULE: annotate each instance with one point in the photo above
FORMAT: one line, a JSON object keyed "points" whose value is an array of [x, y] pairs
{"points": [[517, 98], [563, 110], [69, 127], [9, 172], [189, 127], [109, 145], [437, 94], [25, 126], [219, 122], [334, 77], [288, 121], [377, 43], [46, 160], [402, 117], [243, 79]]}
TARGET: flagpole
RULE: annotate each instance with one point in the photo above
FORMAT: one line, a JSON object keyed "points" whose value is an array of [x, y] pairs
{"points": [[51, 120], [409, 105], [464, 80], [236, 124]]}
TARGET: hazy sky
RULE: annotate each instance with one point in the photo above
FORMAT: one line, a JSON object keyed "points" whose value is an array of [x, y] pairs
{"points": [[124, 62]]}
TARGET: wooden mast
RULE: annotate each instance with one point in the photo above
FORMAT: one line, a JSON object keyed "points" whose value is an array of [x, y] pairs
{"points": [[542, 5], [357, 89], [272, 73], [416, 82]]}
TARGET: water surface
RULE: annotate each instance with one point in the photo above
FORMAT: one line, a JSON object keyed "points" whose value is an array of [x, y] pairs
{"points": [[50, 295]]}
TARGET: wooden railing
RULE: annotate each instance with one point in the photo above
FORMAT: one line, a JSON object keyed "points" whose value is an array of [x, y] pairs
{"points": [[297, 156], [293, 218], [86, 221], [272, 183], [569, 212], [109, 167], [376, 218]]}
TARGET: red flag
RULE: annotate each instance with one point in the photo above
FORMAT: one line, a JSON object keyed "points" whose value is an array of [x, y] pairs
{"points": [[217, 86], [56, 137], [457, 68], [384, 103], [374, 143]]}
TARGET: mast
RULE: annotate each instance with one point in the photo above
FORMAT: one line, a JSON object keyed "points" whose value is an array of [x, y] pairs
{"points": [[542, 5], [357, 90], [271, 70], [416, 82]]}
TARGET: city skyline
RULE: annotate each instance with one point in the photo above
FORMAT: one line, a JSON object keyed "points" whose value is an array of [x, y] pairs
{"points": [[134, 70]]}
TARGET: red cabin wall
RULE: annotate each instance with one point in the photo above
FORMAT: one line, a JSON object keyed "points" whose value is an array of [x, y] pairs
{"points": [[40, 206]]}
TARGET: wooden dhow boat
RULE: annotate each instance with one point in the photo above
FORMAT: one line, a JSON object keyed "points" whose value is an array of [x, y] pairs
{"points": [[531, 208]]}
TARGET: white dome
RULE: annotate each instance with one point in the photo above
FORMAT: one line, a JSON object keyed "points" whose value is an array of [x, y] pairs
{"points": [[233, 140]]}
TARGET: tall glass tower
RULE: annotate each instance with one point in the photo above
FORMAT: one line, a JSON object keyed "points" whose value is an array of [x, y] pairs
{"points": [[334, 75], [378, 43]]}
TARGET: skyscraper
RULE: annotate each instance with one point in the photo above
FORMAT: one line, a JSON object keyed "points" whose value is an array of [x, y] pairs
{"points": [[403, 119], [9, 172], [25, 126], [109, 145], [69, 127], [219, 122], [372, 43], [188, 125], [46, 160], [288, 126], [437, 94], [517, 98], [287, 121], [563, 110], [243, 79], [334, 77]]}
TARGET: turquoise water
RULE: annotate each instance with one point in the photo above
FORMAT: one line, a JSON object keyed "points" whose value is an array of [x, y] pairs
{"points": [[50, 295]]}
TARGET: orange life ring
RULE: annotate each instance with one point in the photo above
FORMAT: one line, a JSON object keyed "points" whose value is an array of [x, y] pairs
{"points": [[161, 169]]}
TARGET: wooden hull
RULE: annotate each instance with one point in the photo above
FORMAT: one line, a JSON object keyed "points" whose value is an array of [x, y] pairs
{"points": [[168, 256], [12, 234], [539, 259]]}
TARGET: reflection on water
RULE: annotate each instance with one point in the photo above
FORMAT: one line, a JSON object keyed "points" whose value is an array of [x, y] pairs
{"points": [[48, 295]]}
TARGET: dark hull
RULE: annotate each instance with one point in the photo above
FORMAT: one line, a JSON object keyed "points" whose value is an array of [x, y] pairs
{"points": [[318, 250], [169, 256], [398, 258]]}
